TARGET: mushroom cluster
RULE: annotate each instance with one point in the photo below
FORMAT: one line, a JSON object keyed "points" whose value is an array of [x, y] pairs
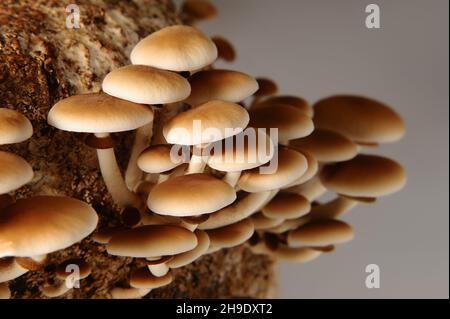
{"points": [[32, 228]]}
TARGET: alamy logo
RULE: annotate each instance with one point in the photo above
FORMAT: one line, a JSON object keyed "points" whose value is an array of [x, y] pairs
{"points": [[73, 280], [73, 19], [373, 17], [373, 279]]}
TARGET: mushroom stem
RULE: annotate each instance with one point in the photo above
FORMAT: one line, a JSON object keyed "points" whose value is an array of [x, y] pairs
{"points": [[159, 270], [113, 177], [142, 140], [232, 178], [197, 163]]}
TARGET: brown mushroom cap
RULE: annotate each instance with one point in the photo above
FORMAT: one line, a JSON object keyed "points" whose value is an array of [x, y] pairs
{"points": [[44, 224], [262, 222], [190, 195], [98, 113], [327, 146], [332, 209], [14, 127], [287, 205], [128, 293], [199, 9], [297, 255], [190, 256], [62, 272], [152, 241], [143, 278], [224, 85], [291, 166], [291, 122], [227, 119], [231, 235], [359, 118], [175, 48], [14, 172], [320, 233], [266, 87], [313, 168], [364, 176], [158, 159], [225, 49], [295, 101]]}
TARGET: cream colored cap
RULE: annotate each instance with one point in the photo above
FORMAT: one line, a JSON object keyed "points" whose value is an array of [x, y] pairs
{"points": [[291, 166], [175, 48], [224, 118], [364, 176], [14, 127], [44, 224], [359, 118], [10, 269], [313, 168], [287, 205], [291, 122], [231, 235], [297, 255], [192, 255], [262, 222], [224, 85], [98, 113], [152, 241], [320, 233], [295, 101], [146, 85], [327, 146], [190, 195], [143, 278], [157, 159], [14, 172]]}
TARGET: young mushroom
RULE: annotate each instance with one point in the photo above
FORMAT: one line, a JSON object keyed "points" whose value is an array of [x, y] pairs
{"points": [[267, 87], [295, 101], [10, 269], [142, 278], [102, 114], [14, 127], [231, 235], [188, 257], [14, 172], [286, 205], [225, 49], [193, 11]]}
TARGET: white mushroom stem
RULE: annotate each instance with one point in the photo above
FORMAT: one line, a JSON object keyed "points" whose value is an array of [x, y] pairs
{"points": [[113, 177], [159, 270], [197, 163], [142, 140], [162, 178], [232, 178]]}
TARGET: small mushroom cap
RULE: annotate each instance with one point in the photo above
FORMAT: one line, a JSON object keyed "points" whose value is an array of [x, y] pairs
{"points": [[262, 222], [297, 255], [364, 176], [103, 235], [359, 118], [242, 151], [98, 113], [62, 271], [44, 224], [224, 118], [332, 209], [54, 290], [289, 224], [143, 278], [313, 168], [128, 293], [175, 48], [152, 241], [157, 159], [199, 9], [291, 166], [146, 85], [291, 122], [14, 127], [295, 101], [190, 195], [224, 85], [10, 269], [190, 256], [231, 235], [266, 87], [287, 205], [327, 146], [5, 293], [14, 172], [225, 49], [320, 233]]}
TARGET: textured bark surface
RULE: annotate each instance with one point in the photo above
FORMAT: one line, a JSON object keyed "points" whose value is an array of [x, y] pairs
{"points": [[41, 61]]}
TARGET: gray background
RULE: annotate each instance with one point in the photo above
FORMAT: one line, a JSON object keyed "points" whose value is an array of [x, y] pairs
{"points": [[317, 48]]}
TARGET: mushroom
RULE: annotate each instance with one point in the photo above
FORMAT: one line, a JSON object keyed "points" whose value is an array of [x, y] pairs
{"points": [[311, 171], [311, 190], [289, 224], [286, 205], [231, 235], [152, 242], [5, 293], [298, 255], [14, 127], [32, 263], [262, 222], [128, 293], [14, 172], [102, 114], [320, 233], [188, 257], [225, 49], [10, 269], [224, 85], [362, 119], [142, 278], [295, 101], [267, 87], [51, 290], [364, 176], [210, 122], [63, 269], [44, 224], [145, 85], [197, 10], [103, 235], [333, 209], [176, 48]]}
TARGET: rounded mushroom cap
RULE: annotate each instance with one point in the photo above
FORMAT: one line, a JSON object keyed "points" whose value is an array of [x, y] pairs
{"points": [[224, 85], [262, 222], [199, 9], [359, 118], [143, 278], [246, 150], [64, 270], [157, 159], [10, 269], [231, 235], [295, 101], [190, 256], [14, 127], [147, 85], [152, 241], [14, 172], [266, 87], [190, 195], [44, 224], [327, 146], [297, 255], [364, 176], [313, 168], [175, 48], [291, 122], [225, 49], [217, 120], [320, 233], [98, 113], [291, 166], [287, 206]]}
